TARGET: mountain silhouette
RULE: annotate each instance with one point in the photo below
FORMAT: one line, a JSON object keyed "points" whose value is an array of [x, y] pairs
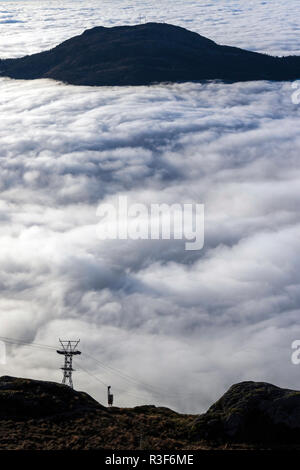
{"points": [[145, 54]]}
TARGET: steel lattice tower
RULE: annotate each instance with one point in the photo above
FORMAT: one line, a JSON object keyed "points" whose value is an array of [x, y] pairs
{"points": [[68, 350]]}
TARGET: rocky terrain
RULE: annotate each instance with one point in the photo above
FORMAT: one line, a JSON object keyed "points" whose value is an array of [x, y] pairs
{"points": [[46, 415], [253, 412], [145, 54], [50, 416]]}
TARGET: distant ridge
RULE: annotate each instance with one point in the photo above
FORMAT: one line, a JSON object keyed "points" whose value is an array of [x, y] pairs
{"points": [[145, 54]]}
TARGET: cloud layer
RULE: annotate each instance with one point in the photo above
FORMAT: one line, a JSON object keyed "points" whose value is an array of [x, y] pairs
{"points": [[32, 26], [189, 323]]}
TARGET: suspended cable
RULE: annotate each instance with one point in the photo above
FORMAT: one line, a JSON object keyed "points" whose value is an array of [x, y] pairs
{"points": [[90, 374], [110, 369], [106, 385], [125, 376], [25, 343]]}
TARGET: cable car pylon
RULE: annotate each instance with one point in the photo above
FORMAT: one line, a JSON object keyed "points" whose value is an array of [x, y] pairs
{"points": [[68, 350]]}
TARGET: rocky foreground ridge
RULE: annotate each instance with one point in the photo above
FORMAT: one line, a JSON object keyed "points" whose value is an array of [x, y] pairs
{"points": [[45, 415]]}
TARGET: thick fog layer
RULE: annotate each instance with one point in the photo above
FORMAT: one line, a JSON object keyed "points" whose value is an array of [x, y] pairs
{"points": [[188, 323]]}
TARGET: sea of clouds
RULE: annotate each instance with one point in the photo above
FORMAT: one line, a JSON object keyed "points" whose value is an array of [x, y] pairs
{"points": [[188, 323]]}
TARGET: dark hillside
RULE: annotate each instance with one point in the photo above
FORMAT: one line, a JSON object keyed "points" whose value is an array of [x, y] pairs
{"points": [[46, 415], [145, 54]]}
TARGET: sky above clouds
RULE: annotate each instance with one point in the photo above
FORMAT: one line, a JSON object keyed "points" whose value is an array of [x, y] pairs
{"points": [[188, 323]]}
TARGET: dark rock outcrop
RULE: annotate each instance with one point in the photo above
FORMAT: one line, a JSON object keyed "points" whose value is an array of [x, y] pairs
{"points": [[252, 412], [146, 54], [26, 398]]}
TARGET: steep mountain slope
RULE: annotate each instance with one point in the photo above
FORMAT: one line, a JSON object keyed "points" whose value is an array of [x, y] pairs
{"points": [[145, 54]]}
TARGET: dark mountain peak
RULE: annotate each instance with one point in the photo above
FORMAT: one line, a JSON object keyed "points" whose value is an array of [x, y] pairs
{"points": [[145, 54], [146, 29], [142, 33]]}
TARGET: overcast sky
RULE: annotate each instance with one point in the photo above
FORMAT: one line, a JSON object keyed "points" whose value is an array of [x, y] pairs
{"points": [[188, 323]]}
